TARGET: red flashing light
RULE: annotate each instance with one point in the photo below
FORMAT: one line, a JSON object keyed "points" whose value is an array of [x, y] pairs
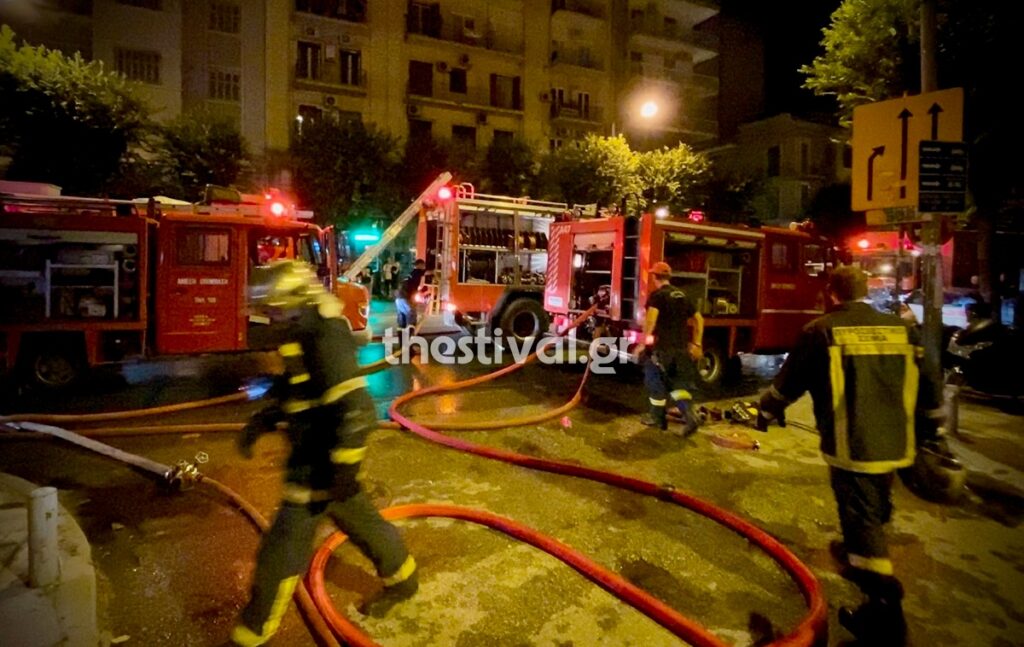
{"points": [[863, 243], [696, 216], [444, 193], [277, 208]]}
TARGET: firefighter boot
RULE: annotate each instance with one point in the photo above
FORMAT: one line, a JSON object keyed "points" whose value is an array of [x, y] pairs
{"points": [[879, 621], [398, 588], [687, 410], [655, 416]]}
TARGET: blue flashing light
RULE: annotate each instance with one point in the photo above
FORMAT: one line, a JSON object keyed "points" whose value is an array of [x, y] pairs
{"points": [[366, 237]]}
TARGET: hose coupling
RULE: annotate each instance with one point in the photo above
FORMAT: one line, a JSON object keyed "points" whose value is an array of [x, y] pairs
{"points": [[665, 491], [184, 475]]}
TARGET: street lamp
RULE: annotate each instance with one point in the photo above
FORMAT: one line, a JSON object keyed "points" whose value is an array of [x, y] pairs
{"points": [[648, 110]]}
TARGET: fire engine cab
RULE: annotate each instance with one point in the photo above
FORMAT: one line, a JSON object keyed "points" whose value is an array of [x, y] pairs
{"points": [[756, 287], [85, 281]]}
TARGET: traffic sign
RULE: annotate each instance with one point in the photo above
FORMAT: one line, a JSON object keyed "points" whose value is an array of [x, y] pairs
{"points": [[942, 177], [885, 145]]}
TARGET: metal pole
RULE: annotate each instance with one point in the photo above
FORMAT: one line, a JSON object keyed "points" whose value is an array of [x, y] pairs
{"points": [[43, 554], [931, 257]]}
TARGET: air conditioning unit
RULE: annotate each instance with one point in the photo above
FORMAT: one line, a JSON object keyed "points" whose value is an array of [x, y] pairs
{"points": [[481, 118], [329, 101], [545, 97], [413, 110], [330, 52], [464, 59], [312, 32], [442, 66]]}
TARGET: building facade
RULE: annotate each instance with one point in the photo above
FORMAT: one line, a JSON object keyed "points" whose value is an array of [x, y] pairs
{"points": [[546, 71], [794, 158]]}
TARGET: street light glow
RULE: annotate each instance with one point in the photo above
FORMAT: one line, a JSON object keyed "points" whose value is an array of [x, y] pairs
{"points": [[649, 109]]}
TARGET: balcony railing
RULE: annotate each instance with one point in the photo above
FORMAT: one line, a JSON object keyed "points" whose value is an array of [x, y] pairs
{"points": [[473, 97], [702, 82], [576, 111], [654, 25], [585, 7], [481, 35], [330, 77], [578, 56]]}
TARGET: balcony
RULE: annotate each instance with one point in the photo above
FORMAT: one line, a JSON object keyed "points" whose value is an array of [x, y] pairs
{"points": [[349, 11], [576, 112], [590, 8], [474, 98], [332, 81], [703, 45], [479, 34], [576, 56], [699, 84]]}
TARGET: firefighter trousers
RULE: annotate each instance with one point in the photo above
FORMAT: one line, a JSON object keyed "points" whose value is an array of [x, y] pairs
{"points": [[670, 376], [321, 480], [865, 506]]}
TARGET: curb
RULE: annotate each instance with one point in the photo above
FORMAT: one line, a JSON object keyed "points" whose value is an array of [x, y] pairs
{"points": [[61, 614]]}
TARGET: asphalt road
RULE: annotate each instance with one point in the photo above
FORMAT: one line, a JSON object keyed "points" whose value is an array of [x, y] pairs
{"points": [[175, 567]]}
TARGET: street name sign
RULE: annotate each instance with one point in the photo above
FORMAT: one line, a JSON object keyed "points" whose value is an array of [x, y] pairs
{"points": [[886, 140], [942, 177]]}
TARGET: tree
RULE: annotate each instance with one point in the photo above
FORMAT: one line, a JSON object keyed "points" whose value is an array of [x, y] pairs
{"points": [[509, 167], [346, 171], [594, 169], [65, 120], [197, 149], [871, 53], [677, 177]]}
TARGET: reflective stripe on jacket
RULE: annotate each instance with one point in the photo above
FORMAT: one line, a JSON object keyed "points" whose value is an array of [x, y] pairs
{"points": [[861, 368]]}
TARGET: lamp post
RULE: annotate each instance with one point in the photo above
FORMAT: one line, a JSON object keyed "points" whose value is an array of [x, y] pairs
{"points": [[648, 110]]}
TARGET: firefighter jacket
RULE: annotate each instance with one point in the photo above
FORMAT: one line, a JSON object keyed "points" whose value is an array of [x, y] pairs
{"points": [[320, 362], [861, 368]]}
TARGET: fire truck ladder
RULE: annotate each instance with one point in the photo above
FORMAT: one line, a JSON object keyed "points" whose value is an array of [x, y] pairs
{"points": [[630, 271], [396, 227]]}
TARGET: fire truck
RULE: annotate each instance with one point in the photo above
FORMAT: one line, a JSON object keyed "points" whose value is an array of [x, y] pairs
{"points": [[756, 287], [86, 281], [488, 256]]}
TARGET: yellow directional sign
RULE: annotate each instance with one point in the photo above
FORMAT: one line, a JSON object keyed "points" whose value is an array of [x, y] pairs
{"points": [[886, 136]]}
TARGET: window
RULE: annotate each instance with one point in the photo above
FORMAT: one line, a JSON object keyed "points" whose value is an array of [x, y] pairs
{"points": [[814, 260], [424, 18], [420, 130], [421, 78], [464, 136], [503, 136], [308, 64], [774, 161], [307, 115], [457, 81], [225, 17], [351, 70], [138, 65], [225, 85], [805, 158], [351, 10], [203, 246], [155, 5], [783, 257], [583, 103], [554, 144], [506, 92]]}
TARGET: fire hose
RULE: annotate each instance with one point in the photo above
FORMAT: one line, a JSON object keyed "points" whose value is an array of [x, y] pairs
{"points": [[314, 600]]}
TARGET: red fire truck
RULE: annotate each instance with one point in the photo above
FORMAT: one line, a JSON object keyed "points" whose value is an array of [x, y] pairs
{"points": [[85, 281], [488, 255], [756, 287]]}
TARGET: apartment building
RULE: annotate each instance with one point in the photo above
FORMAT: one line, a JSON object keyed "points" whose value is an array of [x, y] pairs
{"points": [[794, 157], [547, 71]]}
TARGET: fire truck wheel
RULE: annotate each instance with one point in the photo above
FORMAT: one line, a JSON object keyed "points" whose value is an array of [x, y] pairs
{"points": [[714, 365], [53, 365], [524, 318]]}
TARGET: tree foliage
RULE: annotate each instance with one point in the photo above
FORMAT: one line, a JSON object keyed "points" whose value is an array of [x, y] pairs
{"points": [[677, 177], [509, 167], [347, 171], [64, 120], [197, 149]]}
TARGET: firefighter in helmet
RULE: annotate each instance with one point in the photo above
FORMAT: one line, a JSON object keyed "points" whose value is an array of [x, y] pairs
{"points": [[329, 415], [671, 350], [872, 409]]}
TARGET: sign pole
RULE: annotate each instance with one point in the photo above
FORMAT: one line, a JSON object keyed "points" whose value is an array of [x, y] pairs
{"points": [[932, 324]]}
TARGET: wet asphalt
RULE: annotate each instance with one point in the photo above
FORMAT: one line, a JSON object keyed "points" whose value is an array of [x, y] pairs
{"points": [[174, 567]]}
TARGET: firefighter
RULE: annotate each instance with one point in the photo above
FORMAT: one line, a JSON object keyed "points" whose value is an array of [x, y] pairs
{"points": [[670, 369], [871, 407], [329, 415]]}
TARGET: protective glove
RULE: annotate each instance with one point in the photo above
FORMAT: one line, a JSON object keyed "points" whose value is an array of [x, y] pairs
{"points": [[262, 422], [770, 409]]}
